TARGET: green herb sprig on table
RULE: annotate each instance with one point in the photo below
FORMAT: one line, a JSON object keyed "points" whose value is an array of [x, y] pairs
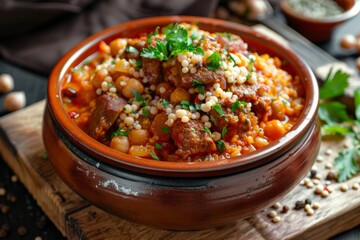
{"points": [[337, 121]]}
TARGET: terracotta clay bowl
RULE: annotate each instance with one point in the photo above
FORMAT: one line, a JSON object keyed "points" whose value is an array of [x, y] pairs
{"points": [[319, 29], [179, 195]]}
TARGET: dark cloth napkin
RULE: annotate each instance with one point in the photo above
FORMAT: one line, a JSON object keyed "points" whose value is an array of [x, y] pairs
{"points": [[36, 33]]}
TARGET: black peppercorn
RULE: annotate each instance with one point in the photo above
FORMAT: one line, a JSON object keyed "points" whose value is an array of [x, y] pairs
{"points": [[299, 205]]}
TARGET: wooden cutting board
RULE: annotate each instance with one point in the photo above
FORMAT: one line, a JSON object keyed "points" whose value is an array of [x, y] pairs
{"points": [[22, 148]]}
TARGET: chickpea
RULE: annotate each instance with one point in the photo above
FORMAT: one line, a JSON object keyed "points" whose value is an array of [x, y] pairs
{"points": [[348, 41], [132, 84], [178, 95], [99, 77], [278, 110], [138, 136], [117, 46], [274, 129], [118, 82], [120, 143], [14, 101], [6, 83], [164, 89]]}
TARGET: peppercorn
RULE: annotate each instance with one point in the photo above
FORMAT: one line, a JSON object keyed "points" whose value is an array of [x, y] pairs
{"points": [[307, 201], [285, 209], [330, 176], [22, 230], [313, 173], [299, 205]]}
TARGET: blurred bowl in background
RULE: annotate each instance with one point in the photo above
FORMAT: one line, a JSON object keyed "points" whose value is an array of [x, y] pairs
{"points": [[318, 29]]}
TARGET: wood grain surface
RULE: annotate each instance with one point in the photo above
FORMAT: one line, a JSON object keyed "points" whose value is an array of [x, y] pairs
{"points": [[22, 148]]}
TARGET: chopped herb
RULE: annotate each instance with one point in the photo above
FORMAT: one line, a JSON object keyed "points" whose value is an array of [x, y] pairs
{"points": [[220, 146], [159, 52], [232, 59], [212, 119], [198, 106], [251, 65], [237, 104], [194, 35], [133, 112], [138, 97], [218, 109], [145, 112], [334, 85], [214, 61], [199, 85], [155, 32], [131, 49], [192, 129], [138, 64], [44, 156], [165, 130], [77, 70], [187, 105], [112, 62], [158, 146], [346, 164], [285, 102], [120, 132], [154, 156], [87, 61], [207, 130], [223, 131], [164, 103]]}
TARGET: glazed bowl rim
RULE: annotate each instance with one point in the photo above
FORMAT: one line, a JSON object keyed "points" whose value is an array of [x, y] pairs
{"points": [[116, 158], [350, 13]]}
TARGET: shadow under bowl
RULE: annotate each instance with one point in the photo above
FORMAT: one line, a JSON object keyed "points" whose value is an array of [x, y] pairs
{"points": [[180, 195], [319, 29]]}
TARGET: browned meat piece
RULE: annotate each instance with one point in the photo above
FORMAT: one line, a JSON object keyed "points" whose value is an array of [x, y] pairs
{"points": [[234, 45], [203, 75], [191, 139], [228, 120], [171, 73], [106, 111], [252, 94], [151, 68], [159, 128], [137, 43]]}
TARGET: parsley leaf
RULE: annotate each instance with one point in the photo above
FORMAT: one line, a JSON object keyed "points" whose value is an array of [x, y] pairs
{"points": [[164, 103], [335, 129], [165, 130], [334, 85], [131, 49], [145, 112], [207, 130], [160, 51], [333, 112], [138, 64], [120, 132], [155, 32], [357, 103], [232, 59], [346, 164], [138, 97], [237, 104], [218, 109], [199, 85], [213, 61], [158, 146], [223, 131], [220, 146], [212, 119], [154, 156]]}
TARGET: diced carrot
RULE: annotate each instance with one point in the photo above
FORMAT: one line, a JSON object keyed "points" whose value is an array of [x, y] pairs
{"points": [[274, 129]]}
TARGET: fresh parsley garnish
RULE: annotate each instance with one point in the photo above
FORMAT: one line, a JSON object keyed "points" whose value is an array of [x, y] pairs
{"points": [[131, 49], [164, 103], [154, 156], [165, 130], [199, 86], [223, 131], [187, 105], [120, 132], [220, 146], [237, 104], [176, 41], [158, 146], [334, 85], [77, 70], [232, 59], [207, 130], [212, 119], [337, 121], [213, 61], [138, 64], [155, 32], [218, 109], [138, 97], [145, 112]]}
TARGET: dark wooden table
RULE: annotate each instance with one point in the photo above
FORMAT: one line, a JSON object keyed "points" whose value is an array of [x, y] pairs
{"points": [[19, 209]]}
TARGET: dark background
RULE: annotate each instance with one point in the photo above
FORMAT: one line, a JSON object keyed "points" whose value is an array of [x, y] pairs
{"points": [[19, 209]]}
